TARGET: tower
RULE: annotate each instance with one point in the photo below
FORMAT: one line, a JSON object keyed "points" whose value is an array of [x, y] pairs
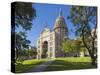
{"points": [[60, 30], [49, 42]]}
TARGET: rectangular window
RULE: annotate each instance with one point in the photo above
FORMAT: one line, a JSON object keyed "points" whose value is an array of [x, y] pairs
{"points": [[51, 43], [50, 48], [51, 37]]}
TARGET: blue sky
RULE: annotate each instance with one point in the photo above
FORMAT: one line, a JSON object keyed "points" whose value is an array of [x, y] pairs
{"points": [[46, 16]]}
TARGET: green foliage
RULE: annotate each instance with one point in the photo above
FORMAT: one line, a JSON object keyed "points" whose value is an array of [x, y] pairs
{"points": [[71, 45], [21, 44], [32, 53], [21, 41], [22, 55], [83, 49], [76, 44], [25, 54], [85, 20], [67, 46], [81, 15], [24, 13]]}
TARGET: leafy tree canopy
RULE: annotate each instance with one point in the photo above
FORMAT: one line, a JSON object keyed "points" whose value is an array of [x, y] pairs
{"points": [[24, 14], [84, 19]]}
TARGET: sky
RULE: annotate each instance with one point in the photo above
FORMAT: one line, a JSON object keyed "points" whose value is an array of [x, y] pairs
{"points": [[46, 16]]}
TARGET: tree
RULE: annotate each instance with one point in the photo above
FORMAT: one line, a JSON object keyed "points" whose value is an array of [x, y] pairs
{"points": [[85, 20], [22, 17], [84, 50], [32, 53], [67, 46], [71, 46], [21, 43], [76, 44], [22, 55], [24, 14]]}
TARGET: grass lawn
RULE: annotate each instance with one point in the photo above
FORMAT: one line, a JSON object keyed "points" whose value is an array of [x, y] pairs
{"points": [[28, 64], [70, 63]]}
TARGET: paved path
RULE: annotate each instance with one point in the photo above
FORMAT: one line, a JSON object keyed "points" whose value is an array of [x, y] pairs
{"points": [[42, 67]]}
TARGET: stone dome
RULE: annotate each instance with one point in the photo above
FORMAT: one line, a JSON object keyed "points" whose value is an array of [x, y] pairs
{"points": [[60, 21]]}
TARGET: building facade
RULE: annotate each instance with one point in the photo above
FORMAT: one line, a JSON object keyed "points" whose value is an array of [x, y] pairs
{"points": [[49, 41]]}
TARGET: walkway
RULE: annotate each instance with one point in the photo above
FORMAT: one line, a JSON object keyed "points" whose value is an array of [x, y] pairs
{"points": [[42, 67]]}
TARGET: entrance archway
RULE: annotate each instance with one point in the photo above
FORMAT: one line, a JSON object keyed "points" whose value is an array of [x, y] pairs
{"points": [[45, 49]]}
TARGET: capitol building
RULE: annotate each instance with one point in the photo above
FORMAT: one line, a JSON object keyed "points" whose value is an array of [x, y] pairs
{"points": [[49, 42]]}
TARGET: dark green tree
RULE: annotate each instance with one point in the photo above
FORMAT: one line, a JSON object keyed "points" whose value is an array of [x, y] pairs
{"points": [[21, 43], [23, 16], [85, 20], [22, 55], [32, 53]]}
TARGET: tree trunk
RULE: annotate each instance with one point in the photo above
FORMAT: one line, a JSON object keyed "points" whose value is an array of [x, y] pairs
{"points": [[94, 63], [93, 54], [83, 39], [93, 58]]}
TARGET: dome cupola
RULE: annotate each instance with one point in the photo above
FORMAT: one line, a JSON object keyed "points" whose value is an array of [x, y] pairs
{"points": [[60, 21]]}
